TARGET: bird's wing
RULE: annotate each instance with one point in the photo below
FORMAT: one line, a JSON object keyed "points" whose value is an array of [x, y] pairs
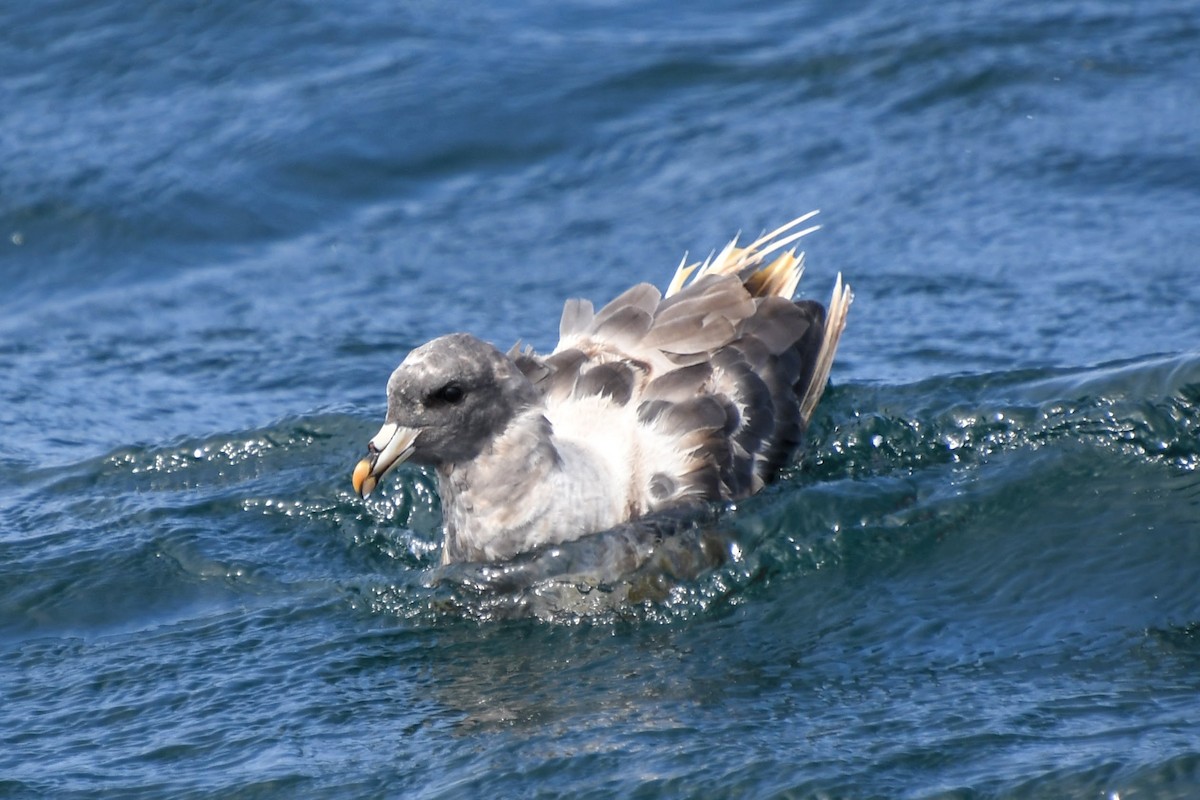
{"points": [[706, 391]]}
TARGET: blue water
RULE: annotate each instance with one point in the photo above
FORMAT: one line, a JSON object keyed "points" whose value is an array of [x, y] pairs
{"points": [[222, 225]]}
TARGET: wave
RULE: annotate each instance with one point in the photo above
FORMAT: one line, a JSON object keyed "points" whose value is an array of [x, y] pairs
{"points": [[887, 469], [889, 473]]}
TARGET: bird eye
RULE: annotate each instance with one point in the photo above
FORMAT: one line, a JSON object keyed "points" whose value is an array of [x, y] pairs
{"points": [[450, 393]]}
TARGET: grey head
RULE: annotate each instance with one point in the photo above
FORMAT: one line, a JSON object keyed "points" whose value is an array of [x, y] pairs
{"points": [[458, 392], [446, 401]]}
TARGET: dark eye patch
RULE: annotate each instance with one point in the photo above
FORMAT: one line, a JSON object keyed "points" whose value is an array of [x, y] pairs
{"points": [[451, 393]]}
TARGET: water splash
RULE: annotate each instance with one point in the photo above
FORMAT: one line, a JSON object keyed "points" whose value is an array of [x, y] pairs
{"points": [[888, 471]]}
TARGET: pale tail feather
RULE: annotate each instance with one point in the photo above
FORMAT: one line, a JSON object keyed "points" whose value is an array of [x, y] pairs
{"points": [[835, 323], [779, 278]]}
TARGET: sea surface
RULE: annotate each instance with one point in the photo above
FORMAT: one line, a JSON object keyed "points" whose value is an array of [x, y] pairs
{"points": [[222, 224]]}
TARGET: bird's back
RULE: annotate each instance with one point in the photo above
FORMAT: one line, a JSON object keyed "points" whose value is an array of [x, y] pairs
{"points": [[700, 394]]}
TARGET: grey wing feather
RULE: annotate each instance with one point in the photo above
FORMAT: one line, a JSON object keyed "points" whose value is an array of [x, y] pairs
{"points": [[680, 384], [693, 334], [625, 328], [562, 373], [643, 296], [777, 323], [613, 380], [576, 317]]}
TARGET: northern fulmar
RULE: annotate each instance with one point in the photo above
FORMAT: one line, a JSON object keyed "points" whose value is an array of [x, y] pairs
{"points": [[659, 400]]}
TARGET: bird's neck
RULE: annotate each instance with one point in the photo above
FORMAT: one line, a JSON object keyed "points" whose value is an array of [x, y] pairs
{"points": [[489, 508]]}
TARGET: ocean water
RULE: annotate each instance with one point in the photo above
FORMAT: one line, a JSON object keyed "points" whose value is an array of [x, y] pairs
{"points": [[223, 224]]}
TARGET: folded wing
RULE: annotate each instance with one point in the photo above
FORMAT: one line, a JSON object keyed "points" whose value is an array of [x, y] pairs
{"points": [[703, 393]]}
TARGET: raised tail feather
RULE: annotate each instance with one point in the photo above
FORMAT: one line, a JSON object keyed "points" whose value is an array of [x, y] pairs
{"points": [[835, 323], [779, 278]]}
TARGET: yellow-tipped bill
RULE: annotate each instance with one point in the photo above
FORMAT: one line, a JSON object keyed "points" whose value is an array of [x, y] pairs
{"points": [[362, 474], [390, 447]]}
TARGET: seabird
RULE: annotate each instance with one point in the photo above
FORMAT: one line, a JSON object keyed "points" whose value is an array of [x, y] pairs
{"points": [[657, 401]]}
